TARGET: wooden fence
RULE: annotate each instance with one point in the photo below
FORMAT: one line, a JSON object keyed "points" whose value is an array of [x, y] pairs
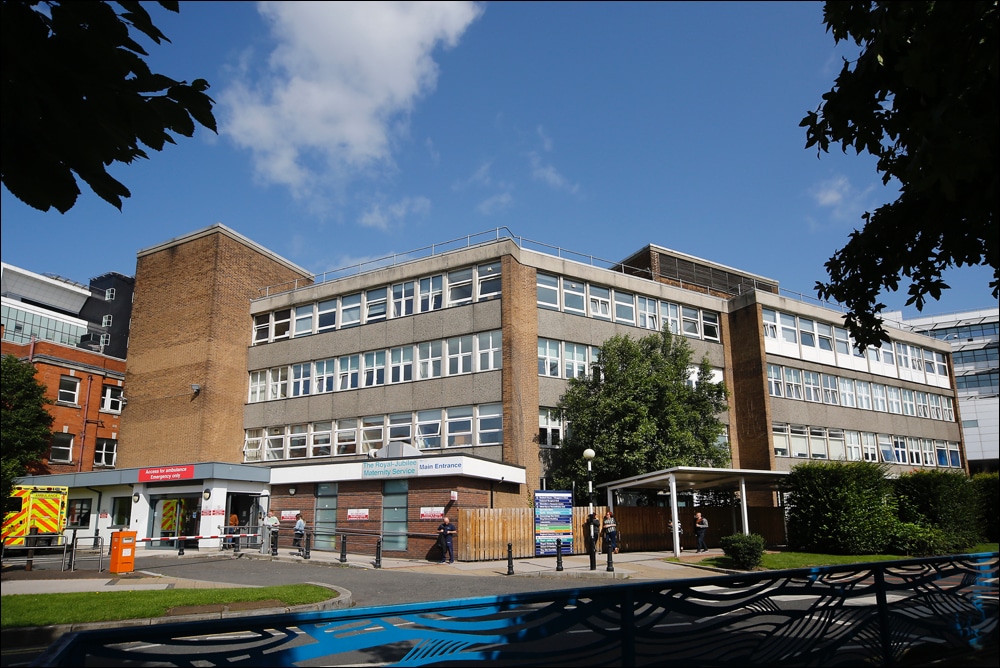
{"points": [[485, 532]]}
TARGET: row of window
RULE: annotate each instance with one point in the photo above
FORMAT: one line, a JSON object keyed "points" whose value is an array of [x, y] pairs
{"points": [[61, 450], [570, 295], [965, 332], [790, 383], [78, 512], [979, 381], [980, 355], [430, 293], [22, 326], [69, 393], [563, 359], [806, 442], [807, 333], [421, 361], [457, 426]]}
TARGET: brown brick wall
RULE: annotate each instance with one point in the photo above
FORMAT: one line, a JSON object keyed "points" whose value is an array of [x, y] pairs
{"points": [[191, 325], [750, 405], [520, 381]]}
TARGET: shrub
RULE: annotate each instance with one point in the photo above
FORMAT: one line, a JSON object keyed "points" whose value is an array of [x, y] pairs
{"points": [[840, 507], [918, 541], [987, 486], [941, 500], [747, 552]]}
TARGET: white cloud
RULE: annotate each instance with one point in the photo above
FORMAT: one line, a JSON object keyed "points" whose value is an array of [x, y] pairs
{"points": [[495, 204], [546, 140], [433, 152], [382, 216], [481, 177], [844, 202], [338, 84], [549, 175]]}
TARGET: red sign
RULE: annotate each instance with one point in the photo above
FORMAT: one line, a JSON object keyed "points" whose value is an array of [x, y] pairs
{"points": [[161, 473]]}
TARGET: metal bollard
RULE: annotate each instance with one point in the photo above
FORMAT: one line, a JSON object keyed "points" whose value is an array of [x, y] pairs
{"points": [[274, 542], [343, 549], [236, 541], [559, 564], [180, 547], [307, 544], [611, 562], [510, 559], [378, 554]]}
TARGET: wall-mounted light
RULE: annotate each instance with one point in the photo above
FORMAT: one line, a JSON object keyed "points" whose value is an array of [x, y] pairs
{"points": [[207, 494], [291, 491], [196, 389], [135, 497]]}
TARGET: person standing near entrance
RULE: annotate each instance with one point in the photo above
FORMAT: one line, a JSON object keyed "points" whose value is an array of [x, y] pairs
{"points": [[609, 530], [700, 529], [300, 532], [446, 538], [270, 531]]}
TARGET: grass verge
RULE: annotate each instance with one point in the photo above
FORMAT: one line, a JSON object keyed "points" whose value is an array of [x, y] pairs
{"points": [[45, 609]]}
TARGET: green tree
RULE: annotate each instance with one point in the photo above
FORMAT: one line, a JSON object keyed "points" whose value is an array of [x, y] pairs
{"points": [[639, 413], [78, 96], [922, 98], [25, 424]]}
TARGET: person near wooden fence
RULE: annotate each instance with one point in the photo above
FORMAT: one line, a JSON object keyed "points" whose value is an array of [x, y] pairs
{"points": [[609, 531], [446, 538]]}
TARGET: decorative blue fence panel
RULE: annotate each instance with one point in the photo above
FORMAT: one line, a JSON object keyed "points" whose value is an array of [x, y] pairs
{"points": [[871, 614]]}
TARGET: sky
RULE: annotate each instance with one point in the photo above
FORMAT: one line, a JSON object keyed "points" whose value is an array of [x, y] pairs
{"points": [[349, 132]]}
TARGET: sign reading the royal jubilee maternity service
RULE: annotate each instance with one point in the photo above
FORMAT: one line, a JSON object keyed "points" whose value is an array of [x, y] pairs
{"points": [[553, 519], [407, 468]]}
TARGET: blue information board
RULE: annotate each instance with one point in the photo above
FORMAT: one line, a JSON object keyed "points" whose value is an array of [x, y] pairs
{"points": [[553, 519]]}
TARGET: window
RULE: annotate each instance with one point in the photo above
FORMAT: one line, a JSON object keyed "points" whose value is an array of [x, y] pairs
{"points": [[375, 368], [326, 315], [935, 401], [825, 336], [887, 355], [914, 446], [878, 398], [261, 328], [841, 341], [948, 409], [301, 377], [490, 351], [376, 305], [78, 513], [326, 516], [847, 393], [928, 448], [869, 446], [431, 293], [894, 399], [793, 383], [835, 444], [670, 314], [909, 407], [402, 299], [109, 295], [490, 431], [326, 376], [885, 448], [303, 325], [576, 360], [401, 428], [429, 360], [349, 373], [459, 426], [574, 300], [853, 446], [320, 443], [770, 324], [428, 429], [649, 316], [275, 446], [298, 441], [460, 287], [460, 355], [105, 340], [394, 511], [774, 383], [549, 428], [282, 324], [807, 332], [817, 442], [899, 450], [710, 325], [779, 436], [831, 393], [121, 511], [106, 321], [902, 352], [941, 364], [489, 280], [277, 387], [929, 366], [372, 433], [69, 390], [251, 446], [111, 399], [788, 329], [923, 409], [350, 311], [548, 358], [547, 290], [813, 390], [62, 447], [624, 307], [864, 394], [690, 322], [600, 302], [941, 449], [105, 450], [401, 364], [799, 440], [347, 437]]}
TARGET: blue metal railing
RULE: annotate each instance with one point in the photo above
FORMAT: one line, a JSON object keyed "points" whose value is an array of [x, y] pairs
{"points": [[883, 613]]}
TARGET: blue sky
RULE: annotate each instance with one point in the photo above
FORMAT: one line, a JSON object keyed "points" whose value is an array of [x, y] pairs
{"points": [[352, 131]]}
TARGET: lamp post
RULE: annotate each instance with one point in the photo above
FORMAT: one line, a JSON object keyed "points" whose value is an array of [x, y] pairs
{"points": [[589, 455]]}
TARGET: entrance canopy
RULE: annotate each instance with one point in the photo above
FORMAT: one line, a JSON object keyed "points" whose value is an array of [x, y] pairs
{"points": [[692, 479]]}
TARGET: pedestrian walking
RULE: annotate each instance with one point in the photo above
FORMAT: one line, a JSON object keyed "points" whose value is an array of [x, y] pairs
{"points": [[700, 529], [446, 540], [300, 533], [609, 531]]}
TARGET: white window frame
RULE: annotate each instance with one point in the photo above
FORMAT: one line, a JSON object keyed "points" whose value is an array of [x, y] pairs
{"points": [[489, 424], [824, 336], [298, 441], [690, 322], [575, 360], [252, 445], [111, 399], [106, 320], [490, 350], [346, 437], [863, 391], [350, 310], [277, 383], [775, 381], [812, 386], [460, 354], [305, 320], [429, 360], [372, 433], [549, 428], [400, 428], [325, 376], [624, 307], [793, 383], [869, 446], [547, 291], [109, 295], [460, 287], [670, 314], [649, 313], [431, 293], [258, 386], [489, 283], [281, 324], [61, 448], [374, 368], [779, 439], [923, 408], [69, 390], [401, 364], [770, 320], [376, 304], [852, 440], [274, 444], [909, 404], [428, 434], [301, 379], [879, 400], [894, 399], [847, 397], [807, 333], [831, 390], [574, 296], [349, 372], [321, 439], [326, 315], [549, 358], [459, 423], [710, 329], [403, 299], [599, 302]]}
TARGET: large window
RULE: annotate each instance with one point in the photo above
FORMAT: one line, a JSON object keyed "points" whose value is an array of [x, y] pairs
{"points": [[105, 452], [547, 290], [69, 390], [121, 511], [460, 355], [549, 428], [78, 513], [548, 358], [490, 351], [111, 399], [62, 447]]}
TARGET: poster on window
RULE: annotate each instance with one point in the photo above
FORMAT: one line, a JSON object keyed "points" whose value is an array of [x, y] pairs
{"points": [[553, 520]]}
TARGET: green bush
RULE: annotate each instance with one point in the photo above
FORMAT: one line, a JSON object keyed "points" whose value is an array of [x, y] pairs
{"points": [[987, 486], [918, 541], [840, 507], [943, 500], [747, 552]]}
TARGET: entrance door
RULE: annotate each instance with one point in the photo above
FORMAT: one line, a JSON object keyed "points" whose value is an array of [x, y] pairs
{"points": [[174, 516]]}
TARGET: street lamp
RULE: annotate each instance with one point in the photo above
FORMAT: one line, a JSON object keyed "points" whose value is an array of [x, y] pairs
{"points": [[592, 530], [589, 455]]}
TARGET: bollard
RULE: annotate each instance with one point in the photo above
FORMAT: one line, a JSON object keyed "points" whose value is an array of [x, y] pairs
{"points": [[31, 541], [307, 544], [378, 554], [611, 562], [274, 542], [559, 565], [343, 549], [236, 541], [510, 559], [180, 547]]}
